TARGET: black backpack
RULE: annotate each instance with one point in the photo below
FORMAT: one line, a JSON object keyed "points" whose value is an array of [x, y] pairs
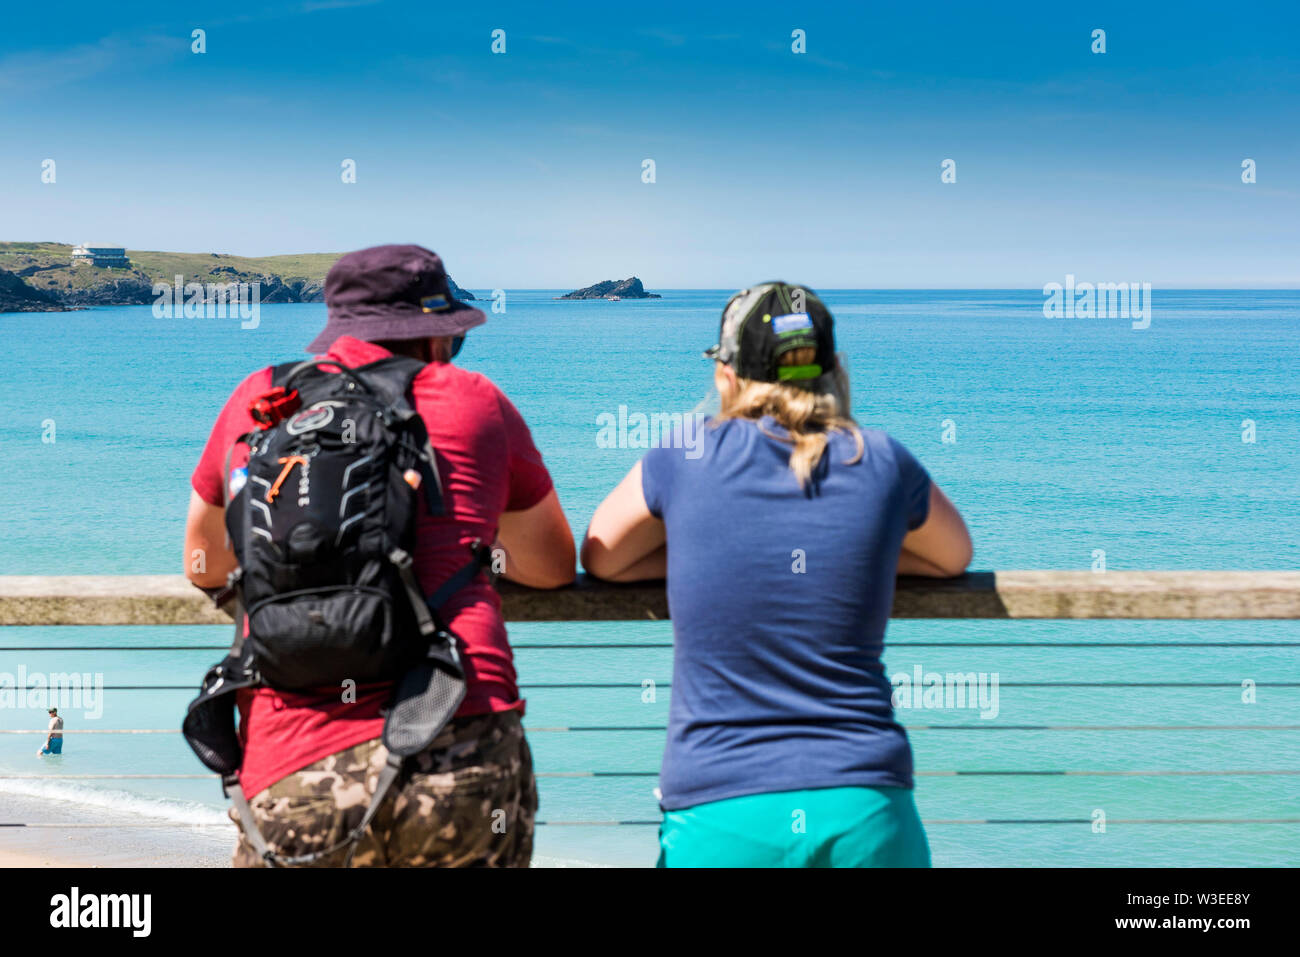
{"points": [[322, 521]]}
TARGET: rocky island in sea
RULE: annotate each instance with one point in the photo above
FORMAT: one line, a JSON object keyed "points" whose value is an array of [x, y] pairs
{"points": [[48, 277], [613, 289]]}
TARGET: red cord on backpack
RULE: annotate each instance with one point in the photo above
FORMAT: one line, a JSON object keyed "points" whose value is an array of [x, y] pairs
{"points": [[271, 408]]}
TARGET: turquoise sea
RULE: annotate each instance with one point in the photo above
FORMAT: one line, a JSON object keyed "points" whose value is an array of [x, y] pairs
{"points": [[1071, 436]]}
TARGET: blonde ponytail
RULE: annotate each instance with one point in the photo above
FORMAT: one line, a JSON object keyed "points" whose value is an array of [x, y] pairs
{"points": [[808, 413]]}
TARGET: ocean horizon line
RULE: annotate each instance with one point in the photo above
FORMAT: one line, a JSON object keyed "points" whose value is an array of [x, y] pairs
{"points": [[1038, 289]]}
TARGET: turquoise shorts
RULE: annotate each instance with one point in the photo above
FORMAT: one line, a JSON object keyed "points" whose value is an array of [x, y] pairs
{"points": [[826, 827]]}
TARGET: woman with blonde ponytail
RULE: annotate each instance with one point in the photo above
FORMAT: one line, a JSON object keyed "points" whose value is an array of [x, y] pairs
{"points": [[781, 529]]}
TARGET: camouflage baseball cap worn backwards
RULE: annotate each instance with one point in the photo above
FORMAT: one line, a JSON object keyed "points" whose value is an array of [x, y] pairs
{"points": [[764, 322]]}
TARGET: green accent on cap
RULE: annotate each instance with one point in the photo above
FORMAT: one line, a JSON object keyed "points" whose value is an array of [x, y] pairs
{"points": [[798, 372]]}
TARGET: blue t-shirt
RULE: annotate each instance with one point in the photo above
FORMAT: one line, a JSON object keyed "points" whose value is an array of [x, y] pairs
{"points": [[779, 599]]}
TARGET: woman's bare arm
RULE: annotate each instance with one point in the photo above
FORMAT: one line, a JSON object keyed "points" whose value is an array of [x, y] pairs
{"points": [[909, 564], [650, 568], [941, 547], [624, 542]]}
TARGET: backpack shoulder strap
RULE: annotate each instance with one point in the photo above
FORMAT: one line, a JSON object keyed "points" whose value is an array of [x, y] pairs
{"points": [[391, 377], [280, 373]]}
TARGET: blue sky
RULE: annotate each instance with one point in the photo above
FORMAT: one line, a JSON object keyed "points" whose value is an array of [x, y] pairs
{"points": [[524, 169]]}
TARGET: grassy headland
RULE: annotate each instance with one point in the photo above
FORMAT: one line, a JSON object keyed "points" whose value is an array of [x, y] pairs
{"points": [[48, 280]]}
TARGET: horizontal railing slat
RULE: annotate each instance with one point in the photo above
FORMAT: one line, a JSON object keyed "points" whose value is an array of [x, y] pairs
{"points": [[171, 600]]}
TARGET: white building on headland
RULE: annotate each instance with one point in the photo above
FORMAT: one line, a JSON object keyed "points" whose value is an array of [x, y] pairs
{"points": [[107, 256]]}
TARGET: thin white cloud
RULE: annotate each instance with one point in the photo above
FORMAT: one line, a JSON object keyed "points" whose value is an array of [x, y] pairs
{"points": [[39, 69]]}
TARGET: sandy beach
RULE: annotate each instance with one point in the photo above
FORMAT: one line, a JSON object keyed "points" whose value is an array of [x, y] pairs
{"points": [[114, 839], [90, 837]]}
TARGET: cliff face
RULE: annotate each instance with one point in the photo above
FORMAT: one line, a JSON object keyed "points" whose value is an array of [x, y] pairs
{"points": [[275, 289], [623, 288], [133, 290], [17, 296]]}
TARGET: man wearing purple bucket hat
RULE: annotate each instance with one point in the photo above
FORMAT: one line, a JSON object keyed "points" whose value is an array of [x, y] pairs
{"points": [[392, 293], [310, 761]]}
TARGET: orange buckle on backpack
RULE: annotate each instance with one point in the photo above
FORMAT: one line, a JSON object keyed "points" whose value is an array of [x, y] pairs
{"points": [[288, 461], [271, 408]]}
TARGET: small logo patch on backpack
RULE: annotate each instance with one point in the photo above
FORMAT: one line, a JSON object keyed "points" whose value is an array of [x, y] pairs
{"points": [[308, 420]]}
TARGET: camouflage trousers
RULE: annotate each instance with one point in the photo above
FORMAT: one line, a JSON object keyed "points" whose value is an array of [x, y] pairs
{"points": [[470, 800]]}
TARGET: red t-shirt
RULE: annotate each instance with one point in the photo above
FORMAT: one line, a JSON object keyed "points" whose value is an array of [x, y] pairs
{"points": [[488, 465]]}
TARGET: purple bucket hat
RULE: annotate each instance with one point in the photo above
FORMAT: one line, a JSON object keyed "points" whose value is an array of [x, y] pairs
{"points": [[392, 292]]}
